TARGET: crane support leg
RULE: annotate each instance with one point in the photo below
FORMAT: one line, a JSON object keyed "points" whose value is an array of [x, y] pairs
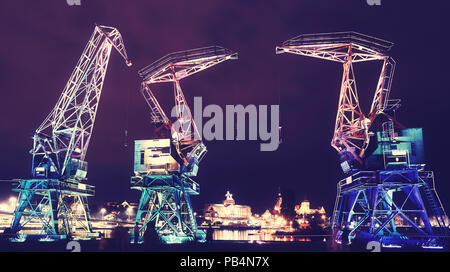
{"points": [[390, 206], [48, 209], [165, 205]]}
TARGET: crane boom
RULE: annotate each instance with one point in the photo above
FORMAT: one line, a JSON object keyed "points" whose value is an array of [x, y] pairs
{"points": [[351, 131], [62, 140], [157, 113], [172, 68]]}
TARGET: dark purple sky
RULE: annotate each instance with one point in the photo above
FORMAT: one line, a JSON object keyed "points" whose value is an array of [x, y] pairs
{"points": [[42, 41]]}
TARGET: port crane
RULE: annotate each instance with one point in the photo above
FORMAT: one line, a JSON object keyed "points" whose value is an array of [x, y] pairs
{"points": [[387, 194], [164, 167], [55, 197], [351, 132]]}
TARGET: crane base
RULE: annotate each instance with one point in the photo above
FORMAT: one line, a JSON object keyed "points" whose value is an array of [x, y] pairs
{"points": [[51, 209], [165, 208], [397, 206]]}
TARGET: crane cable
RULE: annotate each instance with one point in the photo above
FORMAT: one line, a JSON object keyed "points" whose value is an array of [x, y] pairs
{"points": [[279, 97], [127, 111]]}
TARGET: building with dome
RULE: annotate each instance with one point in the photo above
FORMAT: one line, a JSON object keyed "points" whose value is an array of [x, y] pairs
{"points": [[227, 213]]}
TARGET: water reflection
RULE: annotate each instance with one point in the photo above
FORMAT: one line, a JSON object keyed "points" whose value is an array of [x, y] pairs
{"points": [[256, 235]]}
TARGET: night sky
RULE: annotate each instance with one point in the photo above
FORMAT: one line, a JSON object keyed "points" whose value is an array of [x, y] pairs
{"points": [[41, 41]]}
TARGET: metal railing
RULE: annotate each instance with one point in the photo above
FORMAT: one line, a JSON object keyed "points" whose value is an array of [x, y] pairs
{"points": [[182, 56], [373, 43]]}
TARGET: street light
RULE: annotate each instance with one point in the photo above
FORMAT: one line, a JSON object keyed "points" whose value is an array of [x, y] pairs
{"points": [[12, 203], [4, 207], [129, 212], [103, 211], [12, 200]]}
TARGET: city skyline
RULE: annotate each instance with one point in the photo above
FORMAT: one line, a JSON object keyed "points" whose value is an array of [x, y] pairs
{"points": [[42, 56]]}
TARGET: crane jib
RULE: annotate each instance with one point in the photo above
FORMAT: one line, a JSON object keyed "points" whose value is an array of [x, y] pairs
{"points": [[69, 125]]}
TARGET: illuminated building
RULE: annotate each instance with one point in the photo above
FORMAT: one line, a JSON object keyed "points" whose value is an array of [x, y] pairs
{"points": [[117, 205], [118, 210], [304, 208], [306, 217], [272, 221], [277, 208], [228, 213], [435, 222]]}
